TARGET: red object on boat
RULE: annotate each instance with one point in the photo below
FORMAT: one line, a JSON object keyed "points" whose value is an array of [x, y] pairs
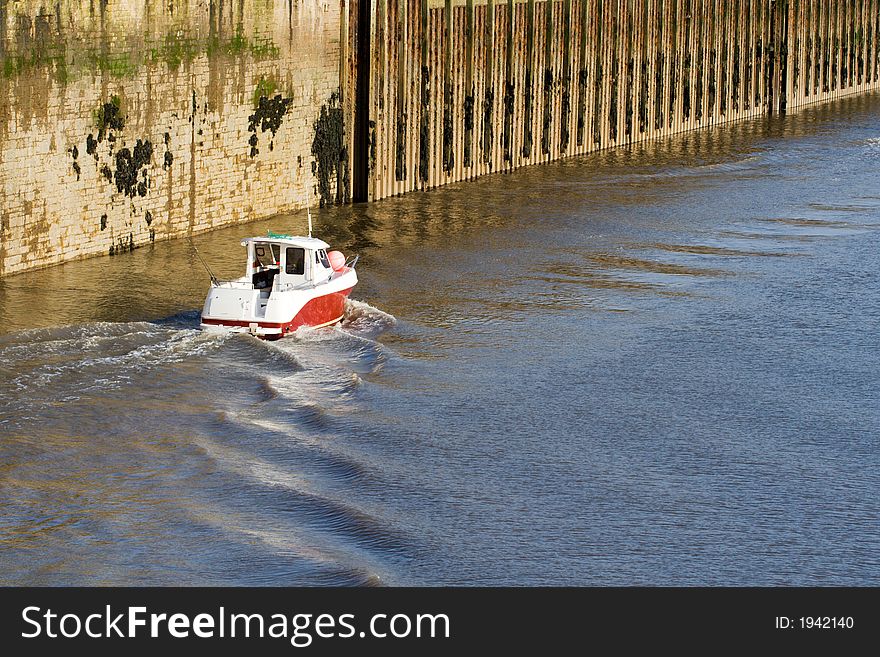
{"points": [[337, 260]]}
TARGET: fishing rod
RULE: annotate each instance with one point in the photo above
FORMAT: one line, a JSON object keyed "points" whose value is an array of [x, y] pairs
{"points": [[204, 264]]}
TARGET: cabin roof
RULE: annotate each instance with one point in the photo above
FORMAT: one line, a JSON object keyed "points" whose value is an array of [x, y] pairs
{"points": [[311, 243]]}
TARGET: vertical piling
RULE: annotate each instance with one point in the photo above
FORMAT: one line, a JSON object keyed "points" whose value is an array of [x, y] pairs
{"points": [[459, 88]]}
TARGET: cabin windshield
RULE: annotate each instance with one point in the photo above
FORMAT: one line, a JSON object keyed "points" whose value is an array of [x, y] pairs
{"points": [[267, 255], [267, 262]]}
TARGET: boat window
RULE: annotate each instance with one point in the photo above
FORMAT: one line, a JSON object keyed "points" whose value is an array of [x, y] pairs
{"points": [[322, 254], [267, 255], [296, 260]]}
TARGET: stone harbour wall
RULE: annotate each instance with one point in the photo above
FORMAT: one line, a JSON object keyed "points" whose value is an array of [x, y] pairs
{"points": [[127, 121], [123, 122]]}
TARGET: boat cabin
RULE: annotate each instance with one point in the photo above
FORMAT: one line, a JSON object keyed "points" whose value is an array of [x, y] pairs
{"points": [[286, 261]]}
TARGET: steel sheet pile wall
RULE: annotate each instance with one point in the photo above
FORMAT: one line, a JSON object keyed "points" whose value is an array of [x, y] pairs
{"points": [[460, 88], [831, 50]]}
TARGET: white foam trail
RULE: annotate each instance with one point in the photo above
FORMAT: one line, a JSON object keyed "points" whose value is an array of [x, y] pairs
{"points": [[72, 332], [173, 346], [318, 547], [319, 544], [248, 465], [298, 433], [361, 316]]}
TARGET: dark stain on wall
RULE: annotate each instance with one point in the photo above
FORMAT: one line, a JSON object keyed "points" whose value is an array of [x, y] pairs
{"points": [[564, 113], [628, 103], [583, 81], [468, 128], [507, 137], [547, 117], [168, 160], [268, 116], [92, 146], [74, 153], [130, 165], [400, 147], [659, 77], [108, 118], [448, 131], [372, 137], [643, 99], [122, 245], [488, 127], [331, 156], [686, 92], [597, 103], [527, 120], [130, 175], [424, 127], [612, 100]]}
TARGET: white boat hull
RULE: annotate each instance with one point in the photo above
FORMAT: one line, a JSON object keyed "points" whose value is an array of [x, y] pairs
{"points": [[273, 313]]}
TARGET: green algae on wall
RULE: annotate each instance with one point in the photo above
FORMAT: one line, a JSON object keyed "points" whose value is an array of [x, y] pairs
{"points": [[135, 112]]}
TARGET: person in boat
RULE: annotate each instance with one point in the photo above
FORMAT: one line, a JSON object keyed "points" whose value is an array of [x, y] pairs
{"points": [[267, 263]]}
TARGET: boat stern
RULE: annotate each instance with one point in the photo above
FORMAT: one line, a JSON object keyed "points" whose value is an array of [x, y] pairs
{"points": [[237, 309], [251, 328]]}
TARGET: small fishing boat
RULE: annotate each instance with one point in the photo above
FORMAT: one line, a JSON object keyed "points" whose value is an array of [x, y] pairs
{"points": [[290, 281]]}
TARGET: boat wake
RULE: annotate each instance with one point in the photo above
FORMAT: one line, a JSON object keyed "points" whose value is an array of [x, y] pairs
{"points": [[361, 317], [254, 437], [50, 366], [59, 365]]}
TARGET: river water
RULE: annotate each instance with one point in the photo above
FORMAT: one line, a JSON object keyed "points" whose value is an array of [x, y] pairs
{"points": [[657, 365]]}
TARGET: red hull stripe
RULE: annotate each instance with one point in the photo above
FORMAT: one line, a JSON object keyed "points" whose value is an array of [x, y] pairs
{"points": [[317, 311]]}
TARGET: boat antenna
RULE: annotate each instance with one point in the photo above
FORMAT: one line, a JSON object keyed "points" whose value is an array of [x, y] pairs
{"points": [[204, 264], [309, 208]]}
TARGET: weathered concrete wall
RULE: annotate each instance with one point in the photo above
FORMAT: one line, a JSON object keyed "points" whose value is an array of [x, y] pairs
{"points": [[460, 88], [128, 121]]}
